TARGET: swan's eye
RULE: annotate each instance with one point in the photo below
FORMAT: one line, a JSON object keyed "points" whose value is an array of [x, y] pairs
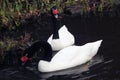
{"points": [[55, 11]]}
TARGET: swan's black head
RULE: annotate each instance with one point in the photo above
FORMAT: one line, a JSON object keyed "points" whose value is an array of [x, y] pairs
{"points": [[40, 50], [54, 12]]}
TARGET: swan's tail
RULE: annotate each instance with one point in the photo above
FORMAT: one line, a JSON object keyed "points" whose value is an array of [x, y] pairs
{"points": [[98, 43], [96, 46]]}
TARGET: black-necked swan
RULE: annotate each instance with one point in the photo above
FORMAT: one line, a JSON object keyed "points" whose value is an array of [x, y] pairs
{"points": [[61, 37], [70, 57]]}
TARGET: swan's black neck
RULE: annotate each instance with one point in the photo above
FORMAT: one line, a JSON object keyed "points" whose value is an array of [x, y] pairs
{"points": [[40, 49], [55, 20], [55, 28]]}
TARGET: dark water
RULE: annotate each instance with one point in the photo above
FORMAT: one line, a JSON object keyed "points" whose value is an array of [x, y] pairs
{"points": [[104, 66]]}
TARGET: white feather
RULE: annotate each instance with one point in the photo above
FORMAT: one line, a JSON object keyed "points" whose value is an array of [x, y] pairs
{"points": [[65, 39]]}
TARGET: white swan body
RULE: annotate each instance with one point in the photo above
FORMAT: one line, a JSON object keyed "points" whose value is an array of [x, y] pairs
{"points": [[65, 39], [70, 57]]}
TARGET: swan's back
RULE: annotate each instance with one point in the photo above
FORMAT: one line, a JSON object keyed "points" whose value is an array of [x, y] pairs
{"points": [[77, 53], [66, 54]]}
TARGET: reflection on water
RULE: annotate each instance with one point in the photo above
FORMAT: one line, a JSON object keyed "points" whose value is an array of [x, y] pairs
{"points": [[30, 72], [96, 69]]}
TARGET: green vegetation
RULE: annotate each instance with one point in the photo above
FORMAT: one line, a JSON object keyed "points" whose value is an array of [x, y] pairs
{"points": [[15, 12]]}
